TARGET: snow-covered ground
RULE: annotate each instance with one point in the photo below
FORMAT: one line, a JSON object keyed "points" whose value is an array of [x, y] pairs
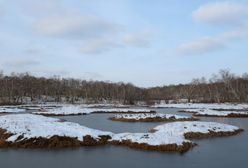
{"points": [[195, 127], [173, 133], [22, 108], [48, 106], [223, 106], [152, 139], [141, 116], [106, 105], [77, 109], [209, 112], [11, 110], [27, 126], [34, 126]]}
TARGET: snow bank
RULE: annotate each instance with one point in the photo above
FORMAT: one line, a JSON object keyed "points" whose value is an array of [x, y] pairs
{"points": [[223, 106], [152, 139], [194, 126], [11, 110], [29, 126], [22, 108], [31, 131], [172, 136], [40, 106], [215, 113], [77, 110], [106, 105], [150, 117]]}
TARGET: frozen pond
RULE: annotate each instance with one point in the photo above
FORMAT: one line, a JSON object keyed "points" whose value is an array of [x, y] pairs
{"points": [[225, 152]]}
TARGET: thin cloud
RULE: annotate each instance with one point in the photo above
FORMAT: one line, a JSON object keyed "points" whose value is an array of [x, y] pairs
{"points": [[92, 75], [141, 39], [99, 46], [237, 34], [201, 46], [21, 63], [75, 27], [2, 12], [222, 13], [52, 71], [218, 14]]}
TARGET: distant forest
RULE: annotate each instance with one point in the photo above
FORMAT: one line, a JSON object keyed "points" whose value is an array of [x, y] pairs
{"points": [[17, 88]]}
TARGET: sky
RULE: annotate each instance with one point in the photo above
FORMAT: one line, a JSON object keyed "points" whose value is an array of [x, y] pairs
{"points": [[148, 43]]}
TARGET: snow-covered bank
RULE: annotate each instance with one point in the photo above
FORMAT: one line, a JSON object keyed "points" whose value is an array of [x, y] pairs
{"points": [[213, 106], [215, 113], [48, 106], [23, 108], [11, 110], [151, 117], [28, 130], [81, 110], [106, 105], [153, 141], [172, 136], [35, 131], [182, 128]]}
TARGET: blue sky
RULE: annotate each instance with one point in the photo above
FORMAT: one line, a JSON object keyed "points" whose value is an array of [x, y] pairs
{"points": [[147, 43]]}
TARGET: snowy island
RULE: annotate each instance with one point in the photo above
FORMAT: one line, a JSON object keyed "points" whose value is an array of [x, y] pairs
{"points": [[81, 110], [174, 136], [33, 131], [36, 131], [151, 117], [216, 113], [213, 106]]}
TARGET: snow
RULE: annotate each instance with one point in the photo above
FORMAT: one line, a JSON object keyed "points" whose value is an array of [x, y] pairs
{"points": [[11, 110], [34, 126], [106, 105], [173, 133], [195, 126], [39, 106], [214, 112], [149, 115], [223, 106], [77, 109], [24, 108], [152, 139]]}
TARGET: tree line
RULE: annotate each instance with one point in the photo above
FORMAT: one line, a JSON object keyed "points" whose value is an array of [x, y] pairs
{"points": [[17, 88], [222, 87]]}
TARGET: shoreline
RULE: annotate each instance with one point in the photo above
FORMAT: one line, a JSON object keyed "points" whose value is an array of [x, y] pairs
{"points": [[157, 119]]}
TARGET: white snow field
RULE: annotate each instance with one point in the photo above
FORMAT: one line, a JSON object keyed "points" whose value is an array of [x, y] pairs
{"points": [[143, 116], [195, 127], [77, 109], [33, 126], [209, 112], [11, 110], [171, 136], [173, 133], [222, 106]]}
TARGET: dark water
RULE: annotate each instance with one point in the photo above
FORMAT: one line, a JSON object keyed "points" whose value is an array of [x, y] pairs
{"points": [[225, 152]]}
